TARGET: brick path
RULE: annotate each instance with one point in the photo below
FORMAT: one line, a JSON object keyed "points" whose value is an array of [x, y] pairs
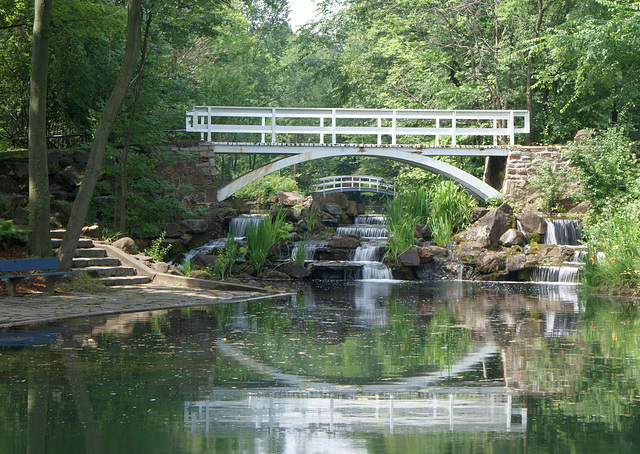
{"points": [[39, 307]]}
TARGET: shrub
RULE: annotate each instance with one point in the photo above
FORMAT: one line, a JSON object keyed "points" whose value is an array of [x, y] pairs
{"points": [[266, 187], [227, 258], [12, 235], [156, 251], [450, 208], [272, 230], [551, 181]]}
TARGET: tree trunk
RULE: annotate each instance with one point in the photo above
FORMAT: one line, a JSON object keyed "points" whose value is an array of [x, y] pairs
{"points": [[96, 156], [39, 209], [124, 185]]}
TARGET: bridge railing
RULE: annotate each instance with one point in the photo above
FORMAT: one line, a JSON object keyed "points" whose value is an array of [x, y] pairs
{"points": [[343, 183], [337, 123]]}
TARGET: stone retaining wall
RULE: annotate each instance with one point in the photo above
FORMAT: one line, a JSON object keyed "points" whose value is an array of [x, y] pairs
{"points": [[198, 171], [520, 162]]}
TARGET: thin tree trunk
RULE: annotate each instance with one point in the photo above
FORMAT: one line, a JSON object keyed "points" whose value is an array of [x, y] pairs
{"points": [[536, 32], [124, 186], [39, 209], [96, 156]]}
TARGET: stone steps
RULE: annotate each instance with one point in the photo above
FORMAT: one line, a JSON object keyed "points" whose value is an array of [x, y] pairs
{"points": [[98, 265]]}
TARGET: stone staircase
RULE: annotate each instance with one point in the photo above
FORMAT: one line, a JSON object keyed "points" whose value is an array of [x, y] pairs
{"points": [[98, 264]]}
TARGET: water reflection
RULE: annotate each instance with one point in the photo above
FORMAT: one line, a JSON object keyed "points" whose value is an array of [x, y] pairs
{"points": [[342, 367]]}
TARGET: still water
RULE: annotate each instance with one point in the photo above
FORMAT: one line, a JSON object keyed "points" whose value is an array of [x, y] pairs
{"points": [[358, 367]]}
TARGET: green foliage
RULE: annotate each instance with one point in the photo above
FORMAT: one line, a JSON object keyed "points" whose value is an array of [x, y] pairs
{"points": [[403, 213], [109, 235], [267, 187], [450, 207], [227, 258], [80, 281], [492, 202], [312, 220], [272, 230], [613, 257], [299, 253], [187, 267], [156, 251], [607, 166], [551, 180], [11, 235]]}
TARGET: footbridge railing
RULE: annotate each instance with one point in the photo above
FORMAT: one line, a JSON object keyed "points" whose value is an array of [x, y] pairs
{"points": [[341, 126], [354, 183]]}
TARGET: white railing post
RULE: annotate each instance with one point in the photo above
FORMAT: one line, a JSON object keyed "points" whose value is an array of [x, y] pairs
{"points": [[495, 136], [263, 137], [208, 124], [379, 127], [321, 129], [333, 126], [394, 127], [453, 128], [512, 127], [273, 125], [438, 135]]}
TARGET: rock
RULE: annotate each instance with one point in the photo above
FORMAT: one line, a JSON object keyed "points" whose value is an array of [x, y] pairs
{"points": [[516, 262], [317, 201], [425, 254], [295, 270], [439, 252], [477, 213], [127, 245], [199, 274], [333, 209], [488, 263], [68, 179], [581, 208], [352, 209], [422, 231], [512, 237], [409, 257], [160, 267], [172, 230], [273, 275], [344, 242], [289, 198], [338, 198], [480, 234], [204, 259], [470, 248], [194, 225], [497, 221], [582, 135], [92, 231], [532, 223]]}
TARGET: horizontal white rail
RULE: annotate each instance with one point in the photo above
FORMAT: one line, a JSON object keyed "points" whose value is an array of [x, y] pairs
{"points": [[272, 121], [353, 183]]}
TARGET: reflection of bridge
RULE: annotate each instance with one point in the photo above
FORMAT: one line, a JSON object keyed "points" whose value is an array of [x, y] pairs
{"points": [[354, 183], [302, 134]]}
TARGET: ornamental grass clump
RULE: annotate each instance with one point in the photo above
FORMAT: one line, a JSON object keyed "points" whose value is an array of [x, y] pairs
{"points": [[260, 237], [227, 258], [449, 211]]}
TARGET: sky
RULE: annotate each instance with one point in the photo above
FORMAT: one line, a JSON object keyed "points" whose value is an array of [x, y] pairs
{"points": [[302, 11]]}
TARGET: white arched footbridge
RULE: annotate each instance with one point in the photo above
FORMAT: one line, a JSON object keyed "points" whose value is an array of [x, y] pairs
{"points": [[303, 133], [354, 183]]}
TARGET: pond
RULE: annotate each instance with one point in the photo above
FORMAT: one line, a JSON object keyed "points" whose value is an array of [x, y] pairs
{"points": [[341, 367]]}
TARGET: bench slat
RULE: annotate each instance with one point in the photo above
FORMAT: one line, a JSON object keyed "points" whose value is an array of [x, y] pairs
{"points": [[49, 263]]}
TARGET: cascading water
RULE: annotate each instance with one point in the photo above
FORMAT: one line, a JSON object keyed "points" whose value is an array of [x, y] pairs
{"points": [[370, 251], [562, 232], [565, 274], [370, 219], [218, 243], [310, 248], [363, 231], [239, 226]]}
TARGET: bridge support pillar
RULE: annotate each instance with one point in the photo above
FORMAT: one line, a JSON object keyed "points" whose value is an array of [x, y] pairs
{"points": [[494, 171]]}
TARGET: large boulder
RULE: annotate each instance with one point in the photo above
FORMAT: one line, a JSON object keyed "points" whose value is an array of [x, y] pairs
{"points": [[343, 242], [295, 270], [410, 257], [479, 234], [498, 222], [488, 262], [338, 198], [512, 237], [477, 213], [532, 223], [289, 198], [68, 179], [516, 262], [195, 225], [273, 275], [127, 245], [332, 208]]}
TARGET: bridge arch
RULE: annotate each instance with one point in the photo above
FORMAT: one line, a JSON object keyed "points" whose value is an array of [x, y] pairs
{"points": [[476, 187]]}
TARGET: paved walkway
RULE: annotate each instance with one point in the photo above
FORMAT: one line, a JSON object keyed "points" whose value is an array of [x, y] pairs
{"points": [[41, 307]]}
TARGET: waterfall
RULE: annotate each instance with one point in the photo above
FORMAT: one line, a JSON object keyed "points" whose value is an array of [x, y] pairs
{"points": [[566, 274], [239, 226], [376, 270], [371, 219], [363, 231], [370, 251], [218, 243], [310, 248], [562, 232]]}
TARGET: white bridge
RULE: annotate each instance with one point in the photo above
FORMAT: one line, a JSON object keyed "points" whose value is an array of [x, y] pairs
{"points": [[354, 183], [409, 136]]}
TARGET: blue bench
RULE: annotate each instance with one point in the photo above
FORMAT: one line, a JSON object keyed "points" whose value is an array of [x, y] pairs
{"points": [[18, 265]]}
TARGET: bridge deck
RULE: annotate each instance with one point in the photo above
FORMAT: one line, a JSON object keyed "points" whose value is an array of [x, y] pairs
{"points": [[297, 148]]}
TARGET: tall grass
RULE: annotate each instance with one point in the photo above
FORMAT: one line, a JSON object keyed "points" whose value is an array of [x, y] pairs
{"points": [[300, 253], [450, 206], [272, 230], [403, 213], [613, 257], [227, 258]]}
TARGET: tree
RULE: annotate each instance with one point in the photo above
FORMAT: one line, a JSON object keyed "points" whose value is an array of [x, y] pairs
{"points": [[94, 166], [39, 237]]}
